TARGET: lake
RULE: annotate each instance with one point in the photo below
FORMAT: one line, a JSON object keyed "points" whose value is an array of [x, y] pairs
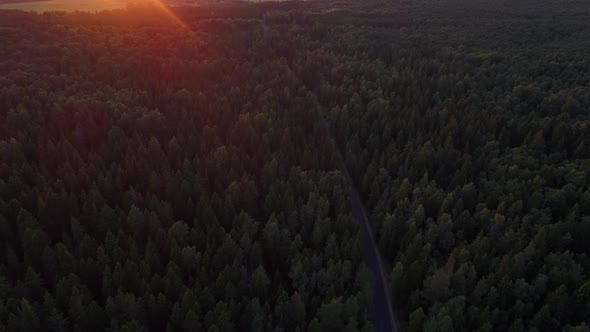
{"points": [[66, 5]]}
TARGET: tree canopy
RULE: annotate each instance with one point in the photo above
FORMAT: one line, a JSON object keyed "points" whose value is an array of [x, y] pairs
{"points": [[159, 177]]}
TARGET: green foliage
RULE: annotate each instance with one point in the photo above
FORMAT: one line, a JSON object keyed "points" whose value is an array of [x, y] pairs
{"points": [[155, 178], [465, 139], [158, 178]]}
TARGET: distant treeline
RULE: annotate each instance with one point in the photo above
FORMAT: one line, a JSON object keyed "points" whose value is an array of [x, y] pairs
{"points": [[20, 1]]}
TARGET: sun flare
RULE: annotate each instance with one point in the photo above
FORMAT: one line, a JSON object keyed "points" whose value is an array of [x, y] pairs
{"points": [[160, 5]]}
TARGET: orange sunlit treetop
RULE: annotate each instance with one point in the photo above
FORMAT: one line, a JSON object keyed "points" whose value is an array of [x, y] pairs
{"points": [[166, 10], [158, 4]]}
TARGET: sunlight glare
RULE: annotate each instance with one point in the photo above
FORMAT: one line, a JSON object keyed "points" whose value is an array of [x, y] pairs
{"points": [[159, 4]]}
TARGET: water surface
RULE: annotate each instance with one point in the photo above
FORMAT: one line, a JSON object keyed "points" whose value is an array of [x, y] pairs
{"points": [[66, 5]]}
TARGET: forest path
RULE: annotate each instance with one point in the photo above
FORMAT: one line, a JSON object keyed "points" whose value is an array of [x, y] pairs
{"points": [[384, 318]]}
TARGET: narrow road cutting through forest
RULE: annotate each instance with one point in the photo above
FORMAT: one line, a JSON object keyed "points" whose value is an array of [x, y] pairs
{"points": [[383, 316]]}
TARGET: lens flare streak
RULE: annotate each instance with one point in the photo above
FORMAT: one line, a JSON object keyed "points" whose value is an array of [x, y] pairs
{"points": [[169, 13]]}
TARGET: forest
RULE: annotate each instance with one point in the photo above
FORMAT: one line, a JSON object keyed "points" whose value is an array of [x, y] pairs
{"points": [[181, 169]]}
